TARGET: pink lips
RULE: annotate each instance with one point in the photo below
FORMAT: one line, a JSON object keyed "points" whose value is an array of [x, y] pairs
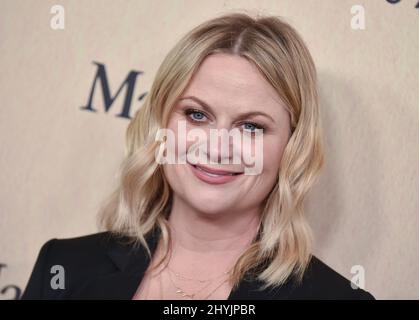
{"points": [[213, 176]]}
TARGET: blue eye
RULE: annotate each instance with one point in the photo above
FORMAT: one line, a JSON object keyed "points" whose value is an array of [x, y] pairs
{"points": [[195, 115], [252, 127]]}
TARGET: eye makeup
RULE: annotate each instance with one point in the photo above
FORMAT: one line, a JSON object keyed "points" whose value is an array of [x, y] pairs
{"points": [[197, 116]]}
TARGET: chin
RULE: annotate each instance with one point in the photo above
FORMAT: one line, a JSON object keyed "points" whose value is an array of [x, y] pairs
{"points": [[212, 212], [210, 206]]}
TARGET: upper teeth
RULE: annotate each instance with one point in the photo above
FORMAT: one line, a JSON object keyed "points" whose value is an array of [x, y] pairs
{"points": [[214, 174]]}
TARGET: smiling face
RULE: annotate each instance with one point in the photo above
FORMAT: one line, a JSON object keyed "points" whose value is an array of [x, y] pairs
{"points": [[227, 92]]}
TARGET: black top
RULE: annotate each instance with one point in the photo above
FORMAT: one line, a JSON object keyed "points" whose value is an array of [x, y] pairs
{"points": [[99, 266]]}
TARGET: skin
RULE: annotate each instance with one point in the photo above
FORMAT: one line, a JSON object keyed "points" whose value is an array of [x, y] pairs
{"points": [[213, 224]]}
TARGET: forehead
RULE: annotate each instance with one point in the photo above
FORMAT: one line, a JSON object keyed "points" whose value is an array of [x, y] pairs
{"points": [[232, 82]]}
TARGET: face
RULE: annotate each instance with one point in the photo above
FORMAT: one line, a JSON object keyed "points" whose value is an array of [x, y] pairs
{"points": [[227, 93]]}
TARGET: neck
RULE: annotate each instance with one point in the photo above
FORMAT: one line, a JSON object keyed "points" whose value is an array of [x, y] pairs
{"points": [[202, 232]]}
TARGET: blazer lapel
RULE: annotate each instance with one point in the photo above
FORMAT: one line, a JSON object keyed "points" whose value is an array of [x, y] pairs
{"points": [[131, 265]]}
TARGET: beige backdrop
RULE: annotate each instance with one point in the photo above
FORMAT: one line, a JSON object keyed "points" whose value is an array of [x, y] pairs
{"points": [[58, 161]]}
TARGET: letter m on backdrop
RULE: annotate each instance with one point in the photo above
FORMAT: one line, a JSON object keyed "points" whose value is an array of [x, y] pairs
{"points": [[102, 80]]}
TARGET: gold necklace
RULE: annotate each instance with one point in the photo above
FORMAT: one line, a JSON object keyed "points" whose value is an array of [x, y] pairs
{"points": [[184, 294], [207, 296]]}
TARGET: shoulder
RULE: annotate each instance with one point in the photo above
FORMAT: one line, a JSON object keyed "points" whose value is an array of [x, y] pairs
{"points": [[320, 281], [88, 246], [76, 252], [78, 258]]}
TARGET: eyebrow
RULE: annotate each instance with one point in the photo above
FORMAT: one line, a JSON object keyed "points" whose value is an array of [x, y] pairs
{"points": [[207, 108]]}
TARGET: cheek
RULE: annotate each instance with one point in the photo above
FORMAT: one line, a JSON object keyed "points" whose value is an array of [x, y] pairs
{"points": [[176, 177], [180, 129], [273, 150], [175, 146]]}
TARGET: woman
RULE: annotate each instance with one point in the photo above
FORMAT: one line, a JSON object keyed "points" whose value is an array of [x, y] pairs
{"points": [[203, 227]]}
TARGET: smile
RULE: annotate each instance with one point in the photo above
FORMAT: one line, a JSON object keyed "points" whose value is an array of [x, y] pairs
{"points": [[213, 176]]}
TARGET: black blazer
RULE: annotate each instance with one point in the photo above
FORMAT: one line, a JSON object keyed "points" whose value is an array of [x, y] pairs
{"points": [[100, 266]]}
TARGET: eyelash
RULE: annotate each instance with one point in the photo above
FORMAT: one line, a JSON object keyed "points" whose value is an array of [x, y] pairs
{"points": [[189, 112]]}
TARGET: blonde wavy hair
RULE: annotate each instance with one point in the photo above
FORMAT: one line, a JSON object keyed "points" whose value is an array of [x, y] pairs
{"points": [[142, 199]]}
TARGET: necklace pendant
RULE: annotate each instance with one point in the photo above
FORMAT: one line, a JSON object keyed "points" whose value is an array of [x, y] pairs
{"points": [[182, 293]]}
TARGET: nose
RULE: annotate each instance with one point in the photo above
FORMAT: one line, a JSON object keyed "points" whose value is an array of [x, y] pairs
{"points": [[223, 146]]}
